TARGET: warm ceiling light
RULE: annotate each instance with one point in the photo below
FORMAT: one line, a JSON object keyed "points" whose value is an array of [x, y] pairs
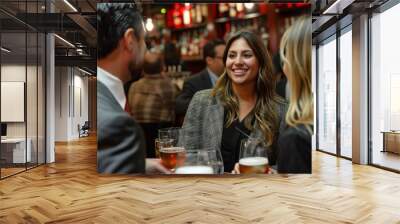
{"points": [[5, 50], [65, 41], [248, 5], [149, 24], [70, 5]]}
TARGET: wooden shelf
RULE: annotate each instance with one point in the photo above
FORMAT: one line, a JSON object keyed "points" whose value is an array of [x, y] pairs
{"points": [[230, 19], [195, 26], [192, 58]]}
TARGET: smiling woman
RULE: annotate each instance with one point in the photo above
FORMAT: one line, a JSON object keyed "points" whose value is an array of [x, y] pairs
{"points": [[242, 104]]}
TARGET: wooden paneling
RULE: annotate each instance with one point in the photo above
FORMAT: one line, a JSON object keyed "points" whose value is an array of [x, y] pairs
{"points": [[71, 191]]}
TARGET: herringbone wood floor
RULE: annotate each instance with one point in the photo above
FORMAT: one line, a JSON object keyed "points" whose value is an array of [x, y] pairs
{"points": [[70, 191]]}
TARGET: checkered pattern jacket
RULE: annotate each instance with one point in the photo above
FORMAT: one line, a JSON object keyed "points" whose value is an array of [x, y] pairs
{"points": [[152, 99]]}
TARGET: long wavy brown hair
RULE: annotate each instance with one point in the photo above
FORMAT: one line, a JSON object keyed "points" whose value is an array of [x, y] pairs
{"points": [[265, 111]]}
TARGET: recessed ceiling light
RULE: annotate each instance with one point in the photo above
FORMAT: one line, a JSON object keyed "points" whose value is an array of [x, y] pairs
{"points": [[84, 71], [70, 5], [64, 40], [5, 50]]}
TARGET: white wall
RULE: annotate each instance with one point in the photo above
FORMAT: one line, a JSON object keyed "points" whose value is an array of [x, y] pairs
{"points": [[61, 103], [71, 94]]}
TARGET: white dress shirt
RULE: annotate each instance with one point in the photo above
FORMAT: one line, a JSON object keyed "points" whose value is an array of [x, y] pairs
{"points": [[114, 84], [213, 77]]}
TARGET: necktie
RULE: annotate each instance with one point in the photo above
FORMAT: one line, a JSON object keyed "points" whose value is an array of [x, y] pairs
{"points": [[127, 108]]}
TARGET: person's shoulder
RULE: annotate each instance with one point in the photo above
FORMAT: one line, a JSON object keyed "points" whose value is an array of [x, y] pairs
{"points": [[204, 96], [281, 105], [198, 76], [281, 102], [297, 133], [118, 120]]}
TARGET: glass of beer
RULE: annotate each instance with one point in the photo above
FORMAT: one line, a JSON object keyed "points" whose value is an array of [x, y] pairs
{"points": [[253, 157], [170, 133], [201, 161], [172, 156], [162, 143]]}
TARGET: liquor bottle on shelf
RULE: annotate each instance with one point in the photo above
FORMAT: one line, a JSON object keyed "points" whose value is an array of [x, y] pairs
{"points": [[232, 10], [239, 7], [264, 36], [196, 42], [193, 14], [199, 18], [183, 43], [204, 11], [223, 10]]}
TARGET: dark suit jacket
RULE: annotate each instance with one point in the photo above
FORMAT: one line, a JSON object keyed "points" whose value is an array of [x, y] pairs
{"points": [[294, 150], [192, 85], [120, 141]]}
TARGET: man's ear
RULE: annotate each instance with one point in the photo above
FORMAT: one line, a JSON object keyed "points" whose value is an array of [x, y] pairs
{"points": [[129, 38], [208, 60]]}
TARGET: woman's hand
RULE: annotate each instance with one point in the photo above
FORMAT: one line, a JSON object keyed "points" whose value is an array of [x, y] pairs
{"points": [[154, 166], [236, 169]]}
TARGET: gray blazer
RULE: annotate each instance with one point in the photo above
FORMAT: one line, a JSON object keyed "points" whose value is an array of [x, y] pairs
{"points": [[204, 123], [120, 140]]}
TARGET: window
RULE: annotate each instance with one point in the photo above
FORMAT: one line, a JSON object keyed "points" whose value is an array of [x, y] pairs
{"points": [[327, 96], [346, 93], [385, 86]]}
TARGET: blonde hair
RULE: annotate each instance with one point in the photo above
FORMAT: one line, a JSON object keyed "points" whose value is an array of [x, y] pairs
{"points": [[265, 111], [295, 51]]}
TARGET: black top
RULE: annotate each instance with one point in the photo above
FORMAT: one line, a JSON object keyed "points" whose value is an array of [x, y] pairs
{"points": [[281, 87], [294, 150], [230, 143]]}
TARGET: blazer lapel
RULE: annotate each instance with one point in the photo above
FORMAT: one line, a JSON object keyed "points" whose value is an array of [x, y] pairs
{"points": [[215, 124]]}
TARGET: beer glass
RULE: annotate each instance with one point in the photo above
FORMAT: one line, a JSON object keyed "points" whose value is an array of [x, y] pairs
{"points": [[172, 156], [201, 161], [253, 156], [162, 143], [170, 133]]}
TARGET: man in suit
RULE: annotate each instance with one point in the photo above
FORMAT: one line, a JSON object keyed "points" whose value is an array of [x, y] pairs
{"points": [[121, 48], [206, 79]]}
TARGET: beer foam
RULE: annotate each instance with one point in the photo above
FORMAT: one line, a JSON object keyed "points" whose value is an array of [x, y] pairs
{"points": [[194, 170], [172, 149], [253, 161]]}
